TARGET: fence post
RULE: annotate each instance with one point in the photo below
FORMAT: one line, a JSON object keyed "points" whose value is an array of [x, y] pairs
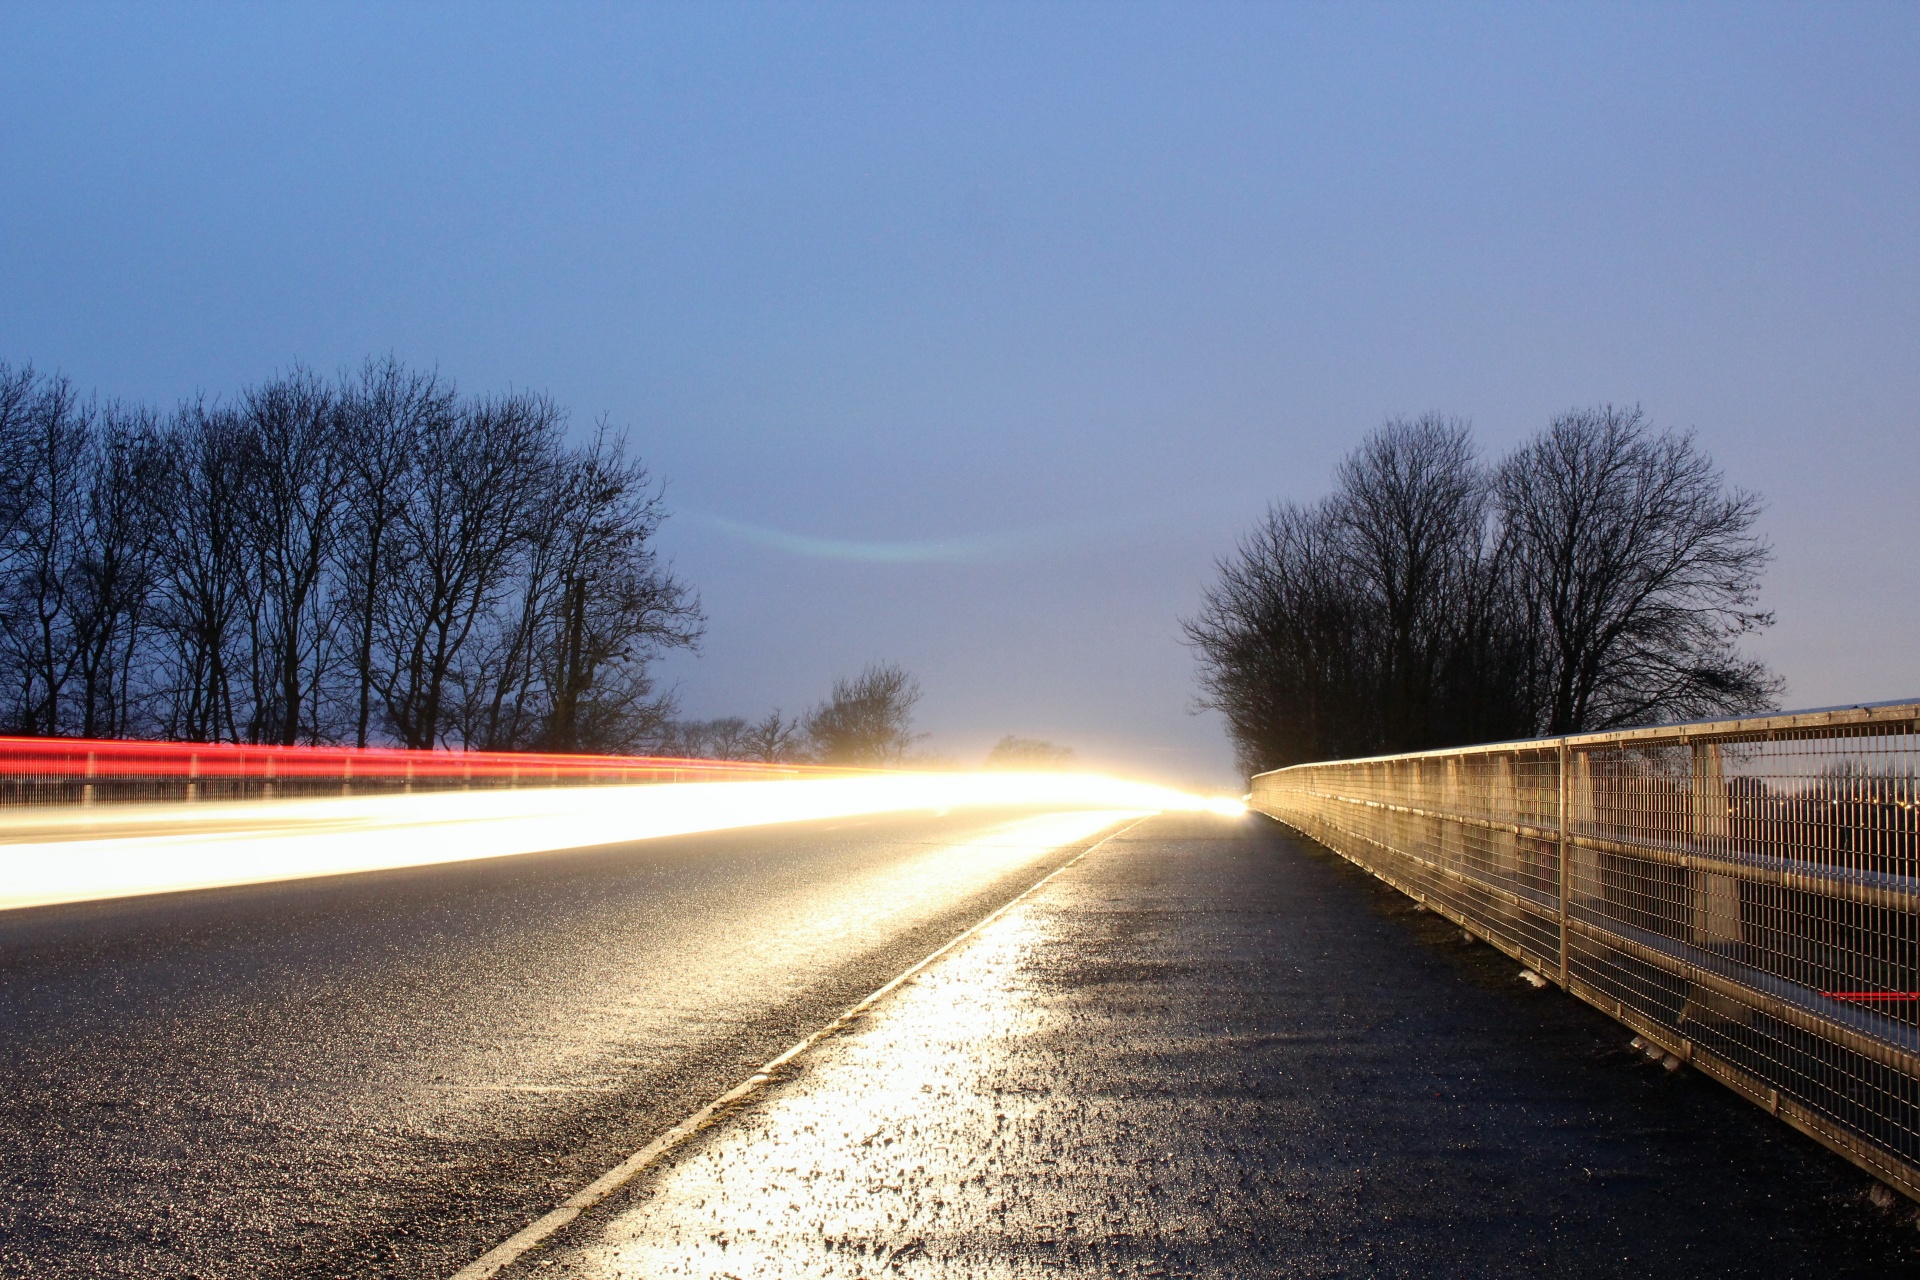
{"points": [[1566, 880], [193, 778], [86, 792]]}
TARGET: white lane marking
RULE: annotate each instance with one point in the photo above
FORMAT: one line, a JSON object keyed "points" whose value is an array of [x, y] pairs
{"points": [[496, 1259]]}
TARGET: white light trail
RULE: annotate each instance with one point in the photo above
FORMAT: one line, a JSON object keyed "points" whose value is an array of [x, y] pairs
{"points": [[75, 855]]}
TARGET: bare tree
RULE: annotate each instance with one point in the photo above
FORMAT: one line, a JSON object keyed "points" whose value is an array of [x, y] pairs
{"points": [[386, 411], [866, 720], [480, 474], [75, 555], [773, 739], [319, 561], [726, 738], [50, 445], [1640, 570], [1028, 753], [294, 500], [1599, 577], [19, 390], [1411, 518], [115, 572], [730, 738], [204, 589], [564, 664], [614, 606], [1284, 645]]}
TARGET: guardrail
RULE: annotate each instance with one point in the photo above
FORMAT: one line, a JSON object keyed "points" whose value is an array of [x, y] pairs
{"points": [[56, 771], [1744, 894]]}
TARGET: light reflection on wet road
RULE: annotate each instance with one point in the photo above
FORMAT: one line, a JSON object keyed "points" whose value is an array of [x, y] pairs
{"points": [[1209, 1050], [383, 1075]]}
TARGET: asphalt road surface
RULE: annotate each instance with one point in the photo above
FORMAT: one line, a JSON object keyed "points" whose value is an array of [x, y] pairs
{"points": [[1210, 1049], [385, 1074], [1205, 1049]]}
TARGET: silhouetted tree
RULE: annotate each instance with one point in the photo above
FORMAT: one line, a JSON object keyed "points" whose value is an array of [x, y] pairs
{"points": [[1639, 570], [207, 583], [1409, 515], [1599, 576], [386, 411], [297, 484], [1285, 647], [563, 665], [725, 738], [773, 739], [613, 606], [318, 562], [480, 475], [866, 720], [50, 464], [1028, 753], [114, 576]]}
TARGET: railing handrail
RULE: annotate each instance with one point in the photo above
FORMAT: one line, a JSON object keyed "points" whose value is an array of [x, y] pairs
{"points": [[1887, 715]]}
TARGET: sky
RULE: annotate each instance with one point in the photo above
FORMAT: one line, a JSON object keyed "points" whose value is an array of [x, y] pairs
{"points": [[968, 336]]}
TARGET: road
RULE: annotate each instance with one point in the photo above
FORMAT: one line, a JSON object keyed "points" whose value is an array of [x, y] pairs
{"points": [[385, 1074], [1211, 1049], [1204, 1048]]}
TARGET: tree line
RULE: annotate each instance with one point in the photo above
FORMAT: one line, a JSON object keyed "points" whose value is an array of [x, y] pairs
{"points": [[1600, 575], [865, 720], [375, 558]]}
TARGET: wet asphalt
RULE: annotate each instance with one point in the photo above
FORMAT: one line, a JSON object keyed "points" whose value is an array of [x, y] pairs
{"points": [[383, 1075], [1213, 1049]]}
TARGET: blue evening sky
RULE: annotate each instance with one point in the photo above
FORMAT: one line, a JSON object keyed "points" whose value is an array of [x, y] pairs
{"points": [[967, 335]]}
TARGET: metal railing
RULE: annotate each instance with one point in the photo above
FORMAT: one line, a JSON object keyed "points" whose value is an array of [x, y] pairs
{"points": [[1744, 894], [60, 771]]}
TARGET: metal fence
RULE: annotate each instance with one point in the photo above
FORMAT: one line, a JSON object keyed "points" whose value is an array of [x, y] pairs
{"points": [[60, 771], [1744, 894]]}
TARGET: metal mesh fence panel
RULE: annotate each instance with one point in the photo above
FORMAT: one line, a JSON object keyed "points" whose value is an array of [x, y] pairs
{"points": [[1745, 894]]}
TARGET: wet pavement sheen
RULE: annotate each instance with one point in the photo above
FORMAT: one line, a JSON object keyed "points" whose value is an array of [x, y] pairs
{"points": [[1211, 1049], [383, 1075]]}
